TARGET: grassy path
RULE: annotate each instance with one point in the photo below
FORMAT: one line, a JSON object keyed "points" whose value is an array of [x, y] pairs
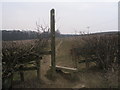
{"points": [[58, 46]]}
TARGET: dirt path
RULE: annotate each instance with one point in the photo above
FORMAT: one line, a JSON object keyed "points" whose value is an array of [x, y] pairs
{"points": [[45, 63], [62, 80], [58, 46]]}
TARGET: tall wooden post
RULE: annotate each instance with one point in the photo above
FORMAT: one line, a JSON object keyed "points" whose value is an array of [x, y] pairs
{"points": [[52, 28]]}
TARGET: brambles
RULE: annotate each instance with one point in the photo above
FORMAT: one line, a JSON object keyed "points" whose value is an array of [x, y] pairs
{"points": [[17, 53], [103, 48]]}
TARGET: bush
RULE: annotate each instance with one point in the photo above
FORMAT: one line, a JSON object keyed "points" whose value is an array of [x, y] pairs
{"points": [[17, 53], [103, 48]]}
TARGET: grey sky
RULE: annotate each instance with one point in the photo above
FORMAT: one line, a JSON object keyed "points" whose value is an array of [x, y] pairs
{"points": [[70, 16]]}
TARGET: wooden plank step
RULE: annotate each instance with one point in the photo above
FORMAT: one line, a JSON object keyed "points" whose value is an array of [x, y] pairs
{"points": [[66, 68]]}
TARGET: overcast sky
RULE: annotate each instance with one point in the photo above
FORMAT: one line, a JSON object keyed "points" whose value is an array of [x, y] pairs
{"points": [[71, 17]]}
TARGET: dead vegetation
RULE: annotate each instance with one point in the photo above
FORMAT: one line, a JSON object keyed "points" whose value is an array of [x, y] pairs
{"points": [[103, 51], [16, 54], [94, 77]]}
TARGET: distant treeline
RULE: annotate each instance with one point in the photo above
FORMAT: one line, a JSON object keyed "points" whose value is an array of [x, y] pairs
{"points": [[18, 35], [24, 35]]}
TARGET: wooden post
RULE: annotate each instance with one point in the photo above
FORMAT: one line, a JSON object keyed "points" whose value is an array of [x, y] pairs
{"points": [[7, 82], [38, 69], [52, 28], [21, 74]]}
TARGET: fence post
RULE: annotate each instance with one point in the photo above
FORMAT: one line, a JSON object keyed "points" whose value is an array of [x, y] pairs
{"points": [[38, 69], [52, 28], [21, 73]]}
